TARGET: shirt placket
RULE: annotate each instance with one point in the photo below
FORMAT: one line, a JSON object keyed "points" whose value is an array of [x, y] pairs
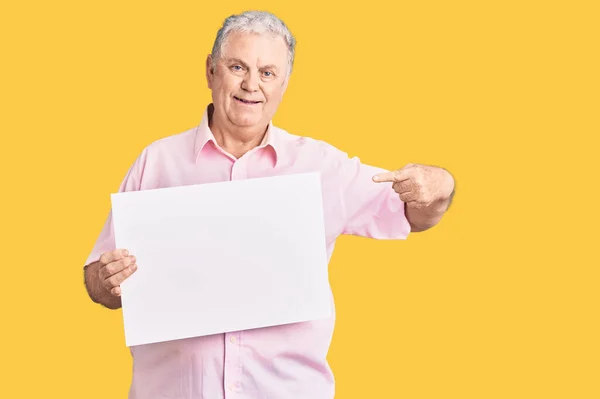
{"points": [[233, 365], [239, 170], [233, 358]]}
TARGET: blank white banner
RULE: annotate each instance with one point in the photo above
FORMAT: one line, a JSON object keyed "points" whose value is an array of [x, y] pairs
{"points": [[222, 257]]}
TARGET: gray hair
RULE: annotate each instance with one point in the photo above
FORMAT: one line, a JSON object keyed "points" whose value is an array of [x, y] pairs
{"points": [[254, 22]]}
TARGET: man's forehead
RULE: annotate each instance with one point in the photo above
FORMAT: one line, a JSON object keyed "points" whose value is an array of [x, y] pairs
{"points": [[268, 48]]}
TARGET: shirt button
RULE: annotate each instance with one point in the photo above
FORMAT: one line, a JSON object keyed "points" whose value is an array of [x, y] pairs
{"points": [[232, 339]]}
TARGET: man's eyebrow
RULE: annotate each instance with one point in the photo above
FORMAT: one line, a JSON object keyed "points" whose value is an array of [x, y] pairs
{"points": [[270, 66], [238, 61]]}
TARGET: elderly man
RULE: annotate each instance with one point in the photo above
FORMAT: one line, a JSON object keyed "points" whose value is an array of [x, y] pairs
{"points": [[248, 72]]}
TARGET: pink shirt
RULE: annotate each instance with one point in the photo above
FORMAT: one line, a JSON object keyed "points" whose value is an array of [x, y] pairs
{"points": [[280, 362]]}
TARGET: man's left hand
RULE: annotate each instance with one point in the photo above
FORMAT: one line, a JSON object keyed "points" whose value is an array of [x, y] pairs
{"points": [[420, 186]]}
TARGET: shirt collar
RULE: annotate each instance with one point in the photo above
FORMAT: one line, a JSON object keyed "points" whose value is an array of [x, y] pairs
{"points": [[204, 135]]}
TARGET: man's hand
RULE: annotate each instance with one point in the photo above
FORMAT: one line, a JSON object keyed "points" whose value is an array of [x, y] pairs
{"points": [[419, 185], [426, 190], [115, 267]]}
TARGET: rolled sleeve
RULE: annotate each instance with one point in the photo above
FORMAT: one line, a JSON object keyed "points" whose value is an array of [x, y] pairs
{"points": [[372, 209], [131, 182]]}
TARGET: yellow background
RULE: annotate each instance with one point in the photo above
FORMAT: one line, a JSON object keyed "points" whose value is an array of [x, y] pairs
{"points": [[498, 301]]}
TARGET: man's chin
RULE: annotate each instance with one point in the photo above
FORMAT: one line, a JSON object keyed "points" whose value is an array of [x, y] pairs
{"points": [[245, 122]]}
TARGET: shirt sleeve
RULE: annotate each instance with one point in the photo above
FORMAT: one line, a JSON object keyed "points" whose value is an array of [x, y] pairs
{"points": [[131, 182], [372, 209]]}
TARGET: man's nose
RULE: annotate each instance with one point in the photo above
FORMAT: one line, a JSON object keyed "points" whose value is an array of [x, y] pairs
{"points": [[250, 82]]}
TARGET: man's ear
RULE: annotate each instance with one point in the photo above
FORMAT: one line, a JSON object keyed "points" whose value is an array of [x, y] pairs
{"points": [[210, 72]]}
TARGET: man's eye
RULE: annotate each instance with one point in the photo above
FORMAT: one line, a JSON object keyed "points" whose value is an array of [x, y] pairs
{"points": [[267, 74], [236, 68]]}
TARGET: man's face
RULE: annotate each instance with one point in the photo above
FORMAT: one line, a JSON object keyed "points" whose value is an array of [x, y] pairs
{"points": [[249, 78]]}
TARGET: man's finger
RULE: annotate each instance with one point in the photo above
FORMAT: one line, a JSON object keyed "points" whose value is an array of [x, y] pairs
{"points": [[393, 176], [112, 256], [407, 197], [116, 267], [402, 187], [385, 177], [116, 279]]}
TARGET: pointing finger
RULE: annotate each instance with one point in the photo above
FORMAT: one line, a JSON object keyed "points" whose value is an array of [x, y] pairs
{"points": [[393, 176]]}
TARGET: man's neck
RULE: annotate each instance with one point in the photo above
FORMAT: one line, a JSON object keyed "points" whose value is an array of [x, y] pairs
{"points": [[234, 140]]}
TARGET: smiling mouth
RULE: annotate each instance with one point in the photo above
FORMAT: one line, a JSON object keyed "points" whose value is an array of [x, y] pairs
{"points": [[246, 101]]}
